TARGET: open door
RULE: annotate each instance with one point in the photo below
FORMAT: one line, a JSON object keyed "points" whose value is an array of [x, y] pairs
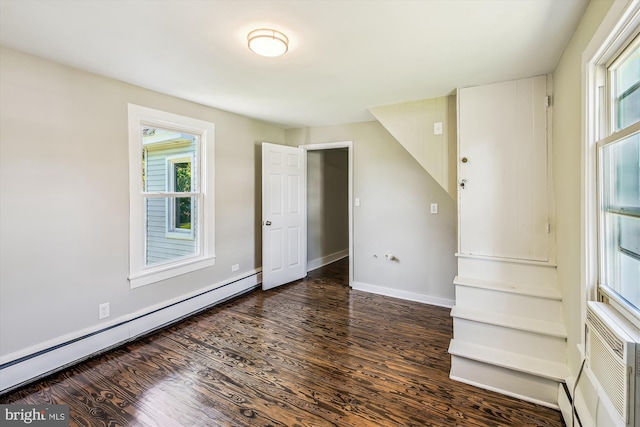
{"points": [[284, 216]]}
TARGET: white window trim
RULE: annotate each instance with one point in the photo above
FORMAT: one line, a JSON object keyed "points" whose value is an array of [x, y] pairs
{"points": [[172, 232], [139, 274], [615, 29]]}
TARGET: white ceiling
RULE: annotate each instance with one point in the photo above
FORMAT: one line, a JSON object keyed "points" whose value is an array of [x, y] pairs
{"points": [[344, 56]]}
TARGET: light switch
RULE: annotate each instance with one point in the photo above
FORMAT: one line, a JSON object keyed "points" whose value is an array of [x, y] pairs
{"points": [[434, 208], [437, 128], [357, 201]]}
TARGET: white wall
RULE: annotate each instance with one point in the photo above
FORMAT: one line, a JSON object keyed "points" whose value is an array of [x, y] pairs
{"points": [[412, 124], [567, 148], [327, 205], [65, 207], [395, 194]]}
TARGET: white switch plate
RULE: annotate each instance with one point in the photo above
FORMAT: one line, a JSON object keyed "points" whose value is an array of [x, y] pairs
{"points": [[357, 201], [437, 128], [434, 208]]}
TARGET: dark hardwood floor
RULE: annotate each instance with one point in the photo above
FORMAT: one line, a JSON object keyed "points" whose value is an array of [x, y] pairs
{"points": [[310, 353]]}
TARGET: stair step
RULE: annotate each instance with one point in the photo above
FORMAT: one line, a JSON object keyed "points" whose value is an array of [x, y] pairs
{"points": [[517, 362], [545, 291], [511, 321], [531, 274], [512, 340], [520, 385]]}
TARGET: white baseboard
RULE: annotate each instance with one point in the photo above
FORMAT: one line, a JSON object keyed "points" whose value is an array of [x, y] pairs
{"points": [[328, 259], [18, 369], [410, 296]]}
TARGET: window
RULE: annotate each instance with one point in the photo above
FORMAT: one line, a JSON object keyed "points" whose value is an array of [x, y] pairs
{"points": [[171, 182], [180, 212], [618, 176]]}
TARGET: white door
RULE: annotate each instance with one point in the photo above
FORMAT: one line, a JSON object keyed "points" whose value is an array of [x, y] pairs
{"points": [[502, 170], [284, 217]]}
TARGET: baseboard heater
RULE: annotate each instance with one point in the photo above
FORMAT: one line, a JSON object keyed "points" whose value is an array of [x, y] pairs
{"points": [[37, 365]]}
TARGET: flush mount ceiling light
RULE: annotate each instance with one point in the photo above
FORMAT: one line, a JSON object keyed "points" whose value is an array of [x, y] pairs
{"points": [[267, 42]]}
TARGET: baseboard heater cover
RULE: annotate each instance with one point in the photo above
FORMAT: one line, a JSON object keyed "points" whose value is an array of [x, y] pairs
{"points": [[35, 366]]}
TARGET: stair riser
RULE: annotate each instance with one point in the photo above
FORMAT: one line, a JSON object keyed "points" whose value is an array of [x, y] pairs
{"points": [[524, 386], [507, 272], [493, 301], [512, 340]]}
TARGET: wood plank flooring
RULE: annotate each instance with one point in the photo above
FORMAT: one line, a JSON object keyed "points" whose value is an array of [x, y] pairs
{"points": [[310, 353]]}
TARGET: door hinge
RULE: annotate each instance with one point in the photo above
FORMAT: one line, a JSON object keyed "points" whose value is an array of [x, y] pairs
{"points": [[547, 101], [548, 228]]}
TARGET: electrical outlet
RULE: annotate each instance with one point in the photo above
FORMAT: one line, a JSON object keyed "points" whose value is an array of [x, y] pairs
{"points": [[434, 208], [103, 310], [235, 267]]}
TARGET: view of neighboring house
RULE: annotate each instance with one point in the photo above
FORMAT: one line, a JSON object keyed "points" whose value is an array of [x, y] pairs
{"points": [[170, 165]]}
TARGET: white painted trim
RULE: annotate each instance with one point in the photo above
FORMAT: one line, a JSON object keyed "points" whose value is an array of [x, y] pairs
{"points": [[546, 292], [349, 146], [410, 296], [325, 260], [527, 324], [38, 361], [511, 260], [505, 392], [170, 270]]}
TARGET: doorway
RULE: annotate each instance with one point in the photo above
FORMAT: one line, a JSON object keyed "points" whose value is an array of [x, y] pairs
{"points": [[329, 204]]}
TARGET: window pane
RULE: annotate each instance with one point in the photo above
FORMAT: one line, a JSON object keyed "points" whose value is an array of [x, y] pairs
{"points": [[182, 177], [621, 217], [621, 173], [170, 160], [627, 90], [163, 247], [622, 256], [629, 108], [182, 215]]}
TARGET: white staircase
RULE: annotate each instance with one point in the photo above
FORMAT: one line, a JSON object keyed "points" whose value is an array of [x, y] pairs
{"points": [[508, 328], [508, 325]]}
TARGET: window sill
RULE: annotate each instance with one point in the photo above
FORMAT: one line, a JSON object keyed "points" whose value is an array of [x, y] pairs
{"points": [[178, 235], [157, 274], [627, 310]]}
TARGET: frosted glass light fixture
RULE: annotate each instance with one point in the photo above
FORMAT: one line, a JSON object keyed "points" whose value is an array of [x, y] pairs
{"points": [[267, 42]]}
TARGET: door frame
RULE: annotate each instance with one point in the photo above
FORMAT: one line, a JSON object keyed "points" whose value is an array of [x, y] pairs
{"points": [[349, 146]]}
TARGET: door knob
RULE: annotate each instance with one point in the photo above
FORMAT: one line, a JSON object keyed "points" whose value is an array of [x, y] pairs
{"points": [[267, 223]]}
